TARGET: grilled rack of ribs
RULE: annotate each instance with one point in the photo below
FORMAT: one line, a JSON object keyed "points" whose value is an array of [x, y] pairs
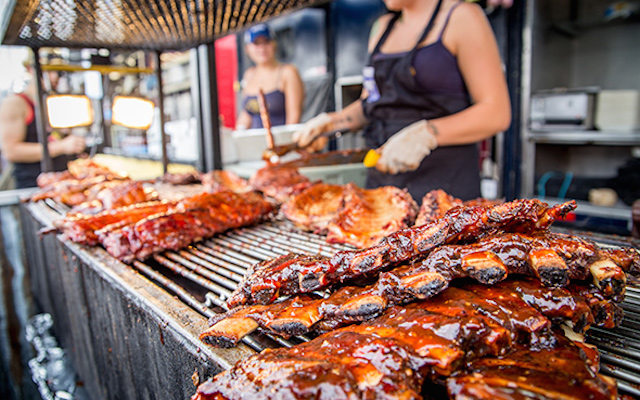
{"points": [[452, 336], [292, 274], [360, 217], [82, 228], [190, 220], [436, 203], [113, 194], [348, 305], [368, 215], [315, 207], [216, 181], [567, 371], [279, 182]]}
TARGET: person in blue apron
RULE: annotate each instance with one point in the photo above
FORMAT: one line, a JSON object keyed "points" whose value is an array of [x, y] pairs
{"points": [[281, 84], [433, 88]]}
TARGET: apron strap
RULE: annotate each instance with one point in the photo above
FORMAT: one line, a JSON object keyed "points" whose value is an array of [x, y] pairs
{"points": [[426, 30], [384, 36]]}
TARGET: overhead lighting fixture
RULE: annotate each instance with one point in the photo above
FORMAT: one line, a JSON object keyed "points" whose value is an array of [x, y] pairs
{"points": [[69, 111], [132, 112]]}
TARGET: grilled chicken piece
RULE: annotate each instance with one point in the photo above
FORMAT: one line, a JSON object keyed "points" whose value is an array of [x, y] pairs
{"points": [[368, 215], [392, 355], [315, 207], [278, 182], [190, 220], [216, 181], [284, 275]]}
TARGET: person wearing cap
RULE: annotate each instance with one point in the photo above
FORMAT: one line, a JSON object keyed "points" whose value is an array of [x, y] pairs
{"points": [[19, 135], [281, 84], [433, 88]]}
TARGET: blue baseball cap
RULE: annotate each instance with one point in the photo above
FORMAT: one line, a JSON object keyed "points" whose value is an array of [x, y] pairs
{"points": [[256, 31]]}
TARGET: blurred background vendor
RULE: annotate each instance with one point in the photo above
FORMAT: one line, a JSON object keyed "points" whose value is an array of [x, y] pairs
{"points": [[19, 135], [433, 88], [281, 84]]}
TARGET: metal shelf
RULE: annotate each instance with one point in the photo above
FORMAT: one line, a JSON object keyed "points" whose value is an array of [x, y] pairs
{"points": [[604, 138]]}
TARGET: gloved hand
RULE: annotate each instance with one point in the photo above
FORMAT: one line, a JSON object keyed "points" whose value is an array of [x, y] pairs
{"points": [[407, 148], [312, 129]]}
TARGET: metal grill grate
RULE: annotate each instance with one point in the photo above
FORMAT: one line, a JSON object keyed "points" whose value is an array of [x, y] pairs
{"points": [[137, 24], [205, 274], [217, 265]]}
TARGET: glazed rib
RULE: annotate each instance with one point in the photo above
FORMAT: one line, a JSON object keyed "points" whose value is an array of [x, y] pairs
{"points": [[82, 228], [348, 305], [564, 371], [190, 220], [368, 215], [217, 181], [279, 182], [315, 207], [392, 355], [436, 203], [298, 274]]}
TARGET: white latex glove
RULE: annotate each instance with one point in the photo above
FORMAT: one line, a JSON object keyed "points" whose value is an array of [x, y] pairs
{"points": [[407, 148], [312, 129]]}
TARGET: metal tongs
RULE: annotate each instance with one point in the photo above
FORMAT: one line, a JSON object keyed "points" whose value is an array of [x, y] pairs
{"points": [[273, 153]]}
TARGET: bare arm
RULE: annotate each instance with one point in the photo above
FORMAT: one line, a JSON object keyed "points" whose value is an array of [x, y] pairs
{"points": [[14, 131], [244, 119], [481, 68], [293, 94]]}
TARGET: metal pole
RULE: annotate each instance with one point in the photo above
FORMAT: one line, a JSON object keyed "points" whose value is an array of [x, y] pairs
{"points": [[210, 112], [196, 101], [40, 113], [165, 158]]}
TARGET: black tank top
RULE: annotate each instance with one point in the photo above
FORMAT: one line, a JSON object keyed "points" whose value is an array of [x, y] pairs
{"points": [[397, 98], [25, 174]]}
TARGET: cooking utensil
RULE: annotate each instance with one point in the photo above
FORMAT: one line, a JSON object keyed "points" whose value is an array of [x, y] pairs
{"points": [[339, 157], [264, 116], [371, 158], [273, 154]]}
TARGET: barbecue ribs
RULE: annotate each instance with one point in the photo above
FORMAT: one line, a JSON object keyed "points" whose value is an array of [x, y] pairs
{"points": [[293, 274], [190, 220], [368, 215], [279, 182], [436, 203], [391, 356], [216, 181], [315, 207]]}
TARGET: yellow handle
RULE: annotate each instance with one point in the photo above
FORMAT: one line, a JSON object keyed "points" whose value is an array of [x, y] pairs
{"points": [[371, 158]]}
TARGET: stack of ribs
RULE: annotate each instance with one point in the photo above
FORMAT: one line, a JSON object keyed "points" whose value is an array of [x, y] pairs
{"points": [[482, 342], [138, 231], [350, 215], [422, 317]]}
